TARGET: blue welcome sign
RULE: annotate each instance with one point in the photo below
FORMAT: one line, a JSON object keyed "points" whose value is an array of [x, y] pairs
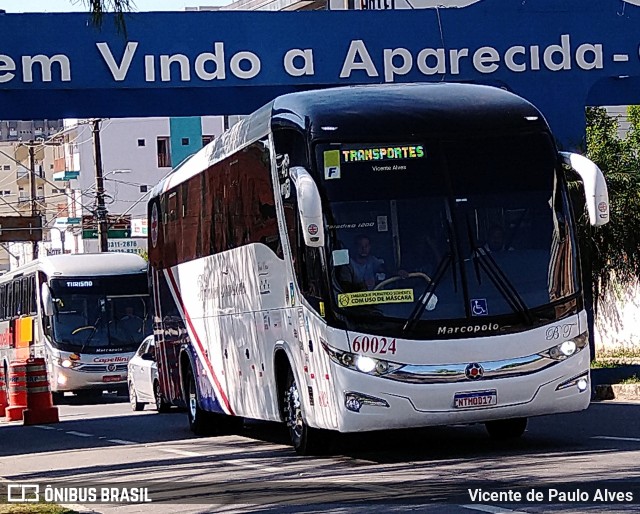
{"points": [[559, 54]]}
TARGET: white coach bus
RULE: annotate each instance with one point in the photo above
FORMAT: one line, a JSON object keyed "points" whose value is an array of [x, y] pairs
{"points": [[374, 257], [86, 314]]}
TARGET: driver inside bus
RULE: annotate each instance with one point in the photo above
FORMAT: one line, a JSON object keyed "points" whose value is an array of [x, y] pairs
{"points": [[130, 325], [366, 269]]}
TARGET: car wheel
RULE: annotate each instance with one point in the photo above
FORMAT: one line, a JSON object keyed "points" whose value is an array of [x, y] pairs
{"points": [[133, 399], [161, 405]]}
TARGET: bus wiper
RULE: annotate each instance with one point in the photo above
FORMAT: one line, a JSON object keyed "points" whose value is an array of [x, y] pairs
{"points": [[485, 260], [94, 330], [428, 294]]}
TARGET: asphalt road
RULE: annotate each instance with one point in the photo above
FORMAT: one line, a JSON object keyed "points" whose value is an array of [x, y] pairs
{"points": [[564, 458]]}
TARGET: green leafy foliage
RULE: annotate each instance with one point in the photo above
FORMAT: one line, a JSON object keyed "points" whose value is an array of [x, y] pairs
{"points": [[614, 249], [120, 7]]}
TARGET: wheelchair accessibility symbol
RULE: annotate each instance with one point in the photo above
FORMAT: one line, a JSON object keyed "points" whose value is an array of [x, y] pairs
{"points": [[479, 307]]}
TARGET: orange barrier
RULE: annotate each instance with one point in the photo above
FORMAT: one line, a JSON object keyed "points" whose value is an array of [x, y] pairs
{"points": [[17, 390], [40, 408], [3, 395]]}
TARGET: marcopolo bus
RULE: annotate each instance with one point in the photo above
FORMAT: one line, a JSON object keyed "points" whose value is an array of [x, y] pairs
{"points": [[86, 314], [374, 257]]}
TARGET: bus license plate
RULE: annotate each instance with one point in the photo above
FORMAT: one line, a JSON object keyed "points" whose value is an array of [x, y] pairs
{"points": [[111, 378], [475, 399]]}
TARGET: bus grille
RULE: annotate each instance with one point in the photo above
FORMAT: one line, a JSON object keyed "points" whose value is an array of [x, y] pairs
{"points": [[101, 368]]}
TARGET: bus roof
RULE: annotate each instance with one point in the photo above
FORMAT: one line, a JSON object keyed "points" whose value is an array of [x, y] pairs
{"points": [[376, 113], [83, 265]]}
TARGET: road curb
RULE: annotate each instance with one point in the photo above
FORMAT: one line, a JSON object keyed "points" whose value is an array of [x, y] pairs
{"points": [[617, 392]]}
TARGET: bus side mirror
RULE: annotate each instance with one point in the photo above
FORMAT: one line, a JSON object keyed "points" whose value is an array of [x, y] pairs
{"points": [[595, 187], [47, 299], [309, 206]]}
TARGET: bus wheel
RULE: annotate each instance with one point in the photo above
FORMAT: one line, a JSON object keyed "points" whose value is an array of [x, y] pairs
{"points": [[161, 405], [503, 429], [306, 440], [199, 421], [133, 399]]}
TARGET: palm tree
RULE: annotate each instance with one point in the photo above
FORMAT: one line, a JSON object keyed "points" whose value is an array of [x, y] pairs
{"points": [[120, 7]]}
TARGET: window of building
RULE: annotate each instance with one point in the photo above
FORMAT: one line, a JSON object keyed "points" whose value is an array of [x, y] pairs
{"points": [[142, 142], [185, 141], [164, 155], [6, 167], [207, 139], [144, 189]]}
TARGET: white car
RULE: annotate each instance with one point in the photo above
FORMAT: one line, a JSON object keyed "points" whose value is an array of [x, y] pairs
{"points": [[144, 386]]}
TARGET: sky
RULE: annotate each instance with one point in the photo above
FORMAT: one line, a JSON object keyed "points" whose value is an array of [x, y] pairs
{"points": [[17, 6]]}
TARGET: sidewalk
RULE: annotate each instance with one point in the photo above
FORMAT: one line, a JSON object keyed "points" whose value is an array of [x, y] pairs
{"points": [[606, 386]]}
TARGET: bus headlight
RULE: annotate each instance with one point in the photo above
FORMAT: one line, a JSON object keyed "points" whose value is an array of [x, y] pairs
{"points": [[567, 348], [365, 364], [361, 363], [67, 362]]}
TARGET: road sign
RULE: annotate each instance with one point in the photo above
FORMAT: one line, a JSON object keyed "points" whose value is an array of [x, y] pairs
{"points": [[66, 175], [20, 228], [111, 234]]}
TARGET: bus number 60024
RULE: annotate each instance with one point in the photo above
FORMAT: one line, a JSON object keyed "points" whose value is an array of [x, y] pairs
{"points": [[380, 345]]}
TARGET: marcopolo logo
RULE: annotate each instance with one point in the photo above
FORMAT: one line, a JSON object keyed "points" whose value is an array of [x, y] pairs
{"points": [[468, 329]]}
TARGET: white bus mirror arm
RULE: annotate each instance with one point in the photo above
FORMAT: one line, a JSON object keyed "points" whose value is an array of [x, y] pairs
{"points": [[309, 206], [595, 187], [47, 300]]}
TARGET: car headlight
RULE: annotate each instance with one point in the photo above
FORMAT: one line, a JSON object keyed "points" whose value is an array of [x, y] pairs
{"points": [[567, 348], [361, 363]]}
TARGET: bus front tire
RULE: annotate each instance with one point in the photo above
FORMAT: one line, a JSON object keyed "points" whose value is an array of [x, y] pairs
{"points": [[504, 429], [306, 440]]}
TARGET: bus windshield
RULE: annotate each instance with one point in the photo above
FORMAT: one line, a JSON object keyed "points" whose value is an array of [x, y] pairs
{"points": [[100, 315], [438, 230]]}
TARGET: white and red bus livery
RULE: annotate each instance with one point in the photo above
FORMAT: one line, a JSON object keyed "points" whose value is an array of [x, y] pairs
{"points": [[374, 257]]}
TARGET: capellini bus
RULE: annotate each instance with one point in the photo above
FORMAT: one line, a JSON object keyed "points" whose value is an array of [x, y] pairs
{"points": [[67, 309], [331, 262]]}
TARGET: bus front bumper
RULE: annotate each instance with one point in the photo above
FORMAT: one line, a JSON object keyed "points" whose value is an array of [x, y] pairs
{"points": [[367, 402], [67, 379]]}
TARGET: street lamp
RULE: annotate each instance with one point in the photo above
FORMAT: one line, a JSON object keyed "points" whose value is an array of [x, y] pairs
{"points": [[62, 237]]}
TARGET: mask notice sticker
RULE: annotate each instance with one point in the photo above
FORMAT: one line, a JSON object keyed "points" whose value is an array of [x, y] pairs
{"points": [[375, 297]]}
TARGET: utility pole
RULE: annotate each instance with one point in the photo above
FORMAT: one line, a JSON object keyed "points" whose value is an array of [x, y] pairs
{"points": [[32, 185], [101, 210]]}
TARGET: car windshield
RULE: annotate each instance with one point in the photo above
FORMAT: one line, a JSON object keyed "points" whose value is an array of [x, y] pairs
{"points": [[442, 231], [103, 315]]}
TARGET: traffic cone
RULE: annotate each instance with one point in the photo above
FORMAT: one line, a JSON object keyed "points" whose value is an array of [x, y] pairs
{"points": [[17, 390], [40, 408]]}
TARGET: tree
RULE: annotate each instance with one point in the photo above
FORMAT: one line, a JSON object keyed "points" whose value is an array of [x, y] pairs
{"points": [[98, 9], [613, 250]]}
